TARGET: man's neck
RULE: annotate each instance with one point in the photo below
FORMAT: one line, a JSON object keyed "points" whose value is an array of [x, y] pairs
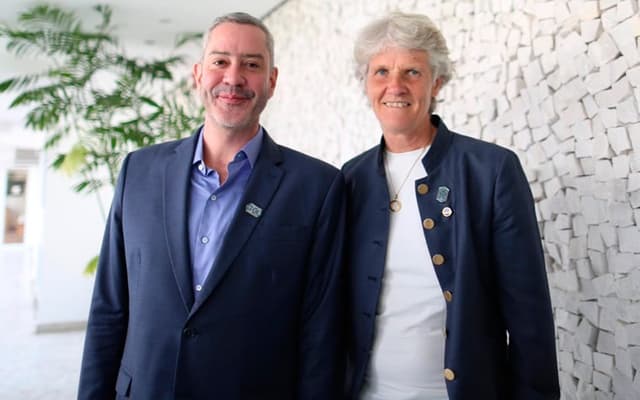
{"points": [[220, 146]]}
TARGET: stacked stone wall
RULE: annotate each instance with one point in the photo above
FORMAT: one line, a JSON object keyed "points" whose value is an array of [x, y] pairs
{"points": [[556, 81]]}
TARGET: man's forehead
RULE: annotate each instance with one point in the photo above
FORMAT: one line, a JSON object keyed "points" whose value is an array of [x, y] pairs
{"points": [[214, 52], [232, 35]]}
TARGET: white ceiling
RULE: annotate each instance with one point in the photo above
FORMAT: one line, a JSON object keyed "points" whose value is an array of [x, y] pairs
{"points": [[146, 25], [150, 20]]}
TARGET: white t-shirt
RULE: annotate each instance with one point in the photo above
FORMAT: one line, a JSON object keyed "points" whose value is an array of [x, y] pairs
{"points": [[408, 354]]}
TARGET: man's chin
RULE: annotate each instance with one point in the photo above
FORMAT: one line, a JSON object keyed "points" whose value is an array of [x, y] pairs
{"points": [[235, 125], [235, 122]]}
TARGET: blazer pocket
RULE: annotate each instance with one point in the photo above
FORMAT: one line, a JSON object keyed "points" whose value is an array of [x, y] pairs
{"points": [[123, 384]]}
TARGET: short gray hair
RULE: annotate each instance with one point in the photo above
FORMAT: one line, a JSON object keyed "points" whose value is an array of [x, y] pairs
{"points": [[407, 31], [242, 19]]}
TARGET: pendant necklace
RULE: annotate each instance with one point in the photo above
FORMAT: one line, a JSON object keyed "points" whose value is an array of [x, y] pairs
{"points": [[395, 205]]}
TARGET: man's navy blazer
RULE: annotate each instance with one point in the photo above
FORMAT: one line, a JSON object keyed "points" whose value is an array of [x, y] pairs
{"points": [[499, 339], [267, 323]]}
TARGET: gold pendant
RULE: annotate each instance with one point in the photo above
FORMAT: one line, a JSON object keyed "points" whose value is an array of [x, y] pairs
{"points": [[395, 205]]}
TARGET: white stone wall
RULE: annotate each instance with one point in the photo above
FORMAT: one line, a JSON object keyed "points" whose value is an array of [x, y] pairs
{"points": [[556, 81]]}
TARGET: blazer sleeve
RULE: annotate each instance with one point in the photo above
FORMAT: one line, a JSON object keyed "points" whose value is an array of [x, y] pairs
{"points": [[522, 286], [108, 315], [321, 341]]}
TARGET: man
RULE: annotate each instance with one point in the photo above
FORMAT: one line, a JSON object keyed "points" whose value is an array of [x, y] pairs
{"points": [[448, 291], [219, 272]]}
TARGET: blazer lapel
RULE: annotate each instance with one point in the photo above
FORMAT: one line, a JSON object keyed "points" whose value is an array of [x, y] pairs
{"points": [[265, 179], [176, 189]]}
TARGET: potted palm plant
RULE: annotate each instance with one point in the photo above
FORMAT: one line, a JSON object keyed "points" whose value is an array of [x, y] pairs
{"points": [[92, 101]]}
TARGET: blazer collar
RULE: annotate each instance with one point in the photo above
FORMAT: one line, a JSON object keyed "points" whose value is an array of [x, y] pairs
{"points": [[262, 185], [438, 149], [177, 179]]}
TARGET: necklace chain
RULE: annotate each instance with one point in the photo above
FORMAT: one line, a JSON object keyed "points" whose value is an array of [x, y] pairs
{"points": [[395, 205]]}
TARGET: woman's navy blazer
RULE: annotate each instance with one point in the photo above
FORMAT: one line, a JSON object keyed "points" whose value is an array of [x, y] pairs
{"points": [[487, 253]]}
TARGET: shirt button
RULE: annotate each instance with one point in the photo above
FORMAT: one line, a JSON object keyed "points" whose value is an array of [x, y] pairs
{"points": [[201, 167], [198, 288], [213, 197], [204, 240]]}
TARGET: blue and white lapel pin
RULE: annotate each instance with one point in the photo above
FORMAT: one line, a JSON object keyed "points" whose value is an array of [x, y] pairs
{"points": [[253, 210]]}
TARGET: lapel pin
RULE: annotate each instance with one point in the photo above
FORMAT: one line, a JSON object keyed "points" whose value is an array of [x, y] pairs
{"points": [[447, 212], [253, 210], [443, 194]]}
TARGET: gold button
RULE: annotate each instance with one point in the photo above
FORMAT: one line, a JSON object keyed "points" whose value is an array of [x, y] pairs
{"points": [[423, 188], [428, 224], [448, 296], [449, 375], [438, 259]]}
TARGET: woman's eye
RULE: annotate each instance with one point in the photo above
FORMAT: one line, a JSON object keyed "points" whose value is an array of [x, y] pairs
{"points": [[380, 72]]}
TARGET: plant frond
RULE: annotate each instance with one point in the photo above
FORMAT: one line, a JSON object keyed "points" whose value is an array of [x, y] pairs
{"points": [[44, 117], [20, 82], [49, 17], [150, 102], [186, 38], [43, 94], [92, 266], [58, 161], [105, 14]]}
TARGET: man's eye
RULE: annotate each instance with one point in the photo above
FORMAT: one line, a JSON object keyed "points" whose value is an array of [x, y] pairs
{"points": [[219, 62], [413, 72], [253, 65]]}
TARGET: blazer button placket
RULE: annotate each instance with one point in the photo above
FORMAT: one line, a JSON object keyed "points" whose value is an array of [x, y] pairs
{"points": [[190, 332], [435, 206]]}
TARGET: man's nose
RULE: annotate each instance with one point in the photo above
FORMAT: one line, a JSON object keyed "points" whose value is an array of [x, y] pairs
{"points": [[233, 75]]}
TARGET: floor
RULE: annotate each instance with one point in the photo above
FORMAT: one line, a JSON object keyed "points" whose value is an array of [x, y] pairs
{"points": [[32, 366]]}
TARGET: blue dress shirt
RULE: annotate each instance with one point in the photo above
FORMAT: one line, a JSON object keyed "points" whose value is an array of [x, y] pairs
{"points": [[212, 206]]}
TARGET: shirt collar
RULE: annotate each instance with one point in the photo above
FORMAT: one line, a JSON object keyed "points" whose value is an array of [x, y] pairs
{"points": [[438, 148], [250, 150]]}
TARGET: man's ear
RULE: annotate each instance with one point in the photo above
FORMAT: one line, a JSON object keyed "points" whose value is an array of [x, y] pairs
{"points": [[273, 78], [197, 74]]}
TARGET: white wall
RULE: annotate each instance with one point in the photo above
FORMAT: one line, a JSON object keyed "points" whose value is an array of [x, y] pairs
{"points": [[72, 228], [63, 229], [558, 82]]}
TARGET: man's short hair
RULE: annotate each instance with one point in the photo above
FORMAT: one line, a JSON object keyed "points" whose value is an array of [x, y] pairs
{"points": [[243, 19]]}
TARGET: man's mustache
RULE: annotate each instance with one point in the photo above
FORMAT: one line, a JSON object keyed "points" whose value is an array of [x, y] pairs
{"points": [[233, 91]]}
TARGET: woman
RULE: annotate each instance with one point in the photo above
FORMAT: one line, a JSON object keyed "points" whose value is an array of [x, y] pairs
{"points": [[448, 291]]}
